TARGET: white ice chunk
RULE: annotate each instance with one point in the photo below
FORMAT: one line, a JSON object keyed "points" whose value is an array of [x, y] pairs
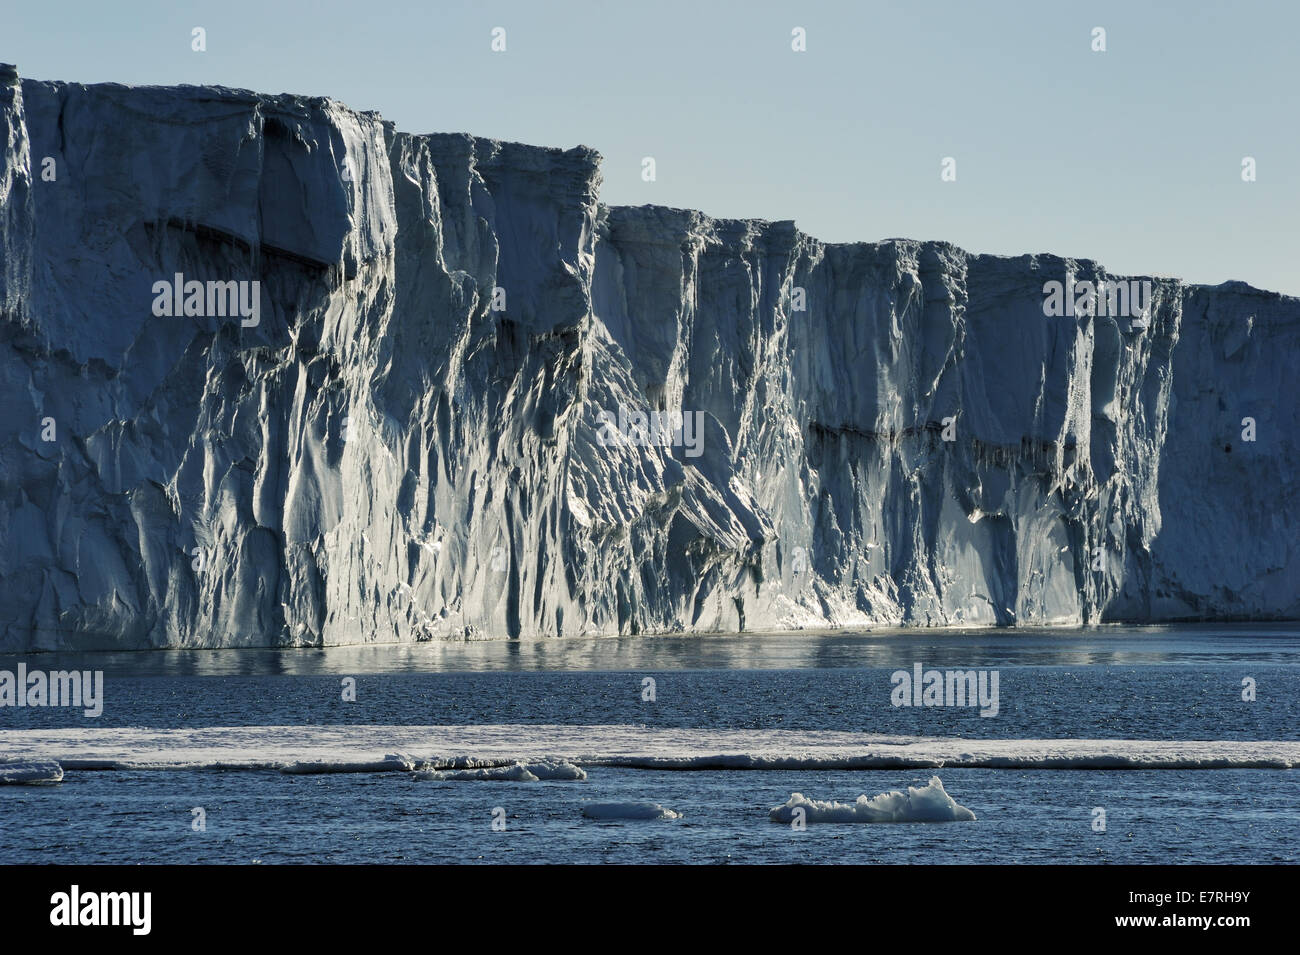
{"points": [[391, 763], [516, 772], [30, 772], [628, 810], [928, 803]]}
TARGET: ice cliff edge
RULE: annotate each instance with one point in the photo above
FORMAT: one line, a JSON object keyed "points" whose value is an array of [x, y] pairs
{"points": [[275, 373]]}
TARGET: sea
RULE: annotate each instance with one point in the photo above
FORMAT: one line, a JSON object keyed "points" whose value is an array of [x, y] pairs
{"points": [[1094, 746]]}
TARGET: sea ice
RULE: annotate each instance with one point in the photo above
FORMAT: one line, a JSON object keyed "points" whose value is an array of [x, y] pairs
{"points": [[30, 772], [516, 772], [355, 748], [628, 810], [391, 763], [928, 803]]}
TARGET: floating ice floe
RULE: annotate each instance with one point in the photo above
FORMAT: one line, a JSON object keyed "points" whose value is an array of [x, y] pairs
{"points": [[516, 772], [355, 748], [391, 763], [30, 772], [628, 810], [928, 803]]}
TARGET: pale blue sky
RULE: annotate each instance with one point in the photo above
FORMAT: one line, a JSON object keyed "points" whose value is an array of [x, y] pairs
{"points": [[1132, 156]]}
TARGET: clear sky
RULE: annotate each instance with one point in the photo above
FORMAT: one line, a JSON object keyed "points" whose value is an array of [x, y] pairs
{"points": [[1132, 157]]}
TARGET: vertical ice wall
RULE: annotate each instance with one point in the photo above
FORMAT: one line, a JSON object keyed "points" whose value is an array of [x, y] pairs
{"points": [[413, 441]]}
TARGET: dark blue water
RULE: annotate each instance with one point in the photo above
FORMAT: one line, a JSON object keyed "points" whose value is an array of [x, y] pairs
{"points": [[1125, 683], [1168, 684], [1227, 816]]}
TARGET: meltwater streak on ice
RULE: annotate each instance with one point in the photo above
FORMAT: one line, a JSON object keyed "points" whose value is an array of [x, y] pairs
{"points": [[350, 749]]}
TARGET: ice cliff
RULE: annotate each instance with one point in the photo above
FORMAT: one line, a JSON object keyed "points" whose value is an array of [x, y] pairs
{"points": [[414, 439]]}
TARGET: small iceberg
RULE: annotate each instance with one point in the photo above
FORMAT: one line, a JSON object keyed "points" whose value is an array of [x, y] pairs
{"points": [[515, 773], [30, 772], [928, 803], [628, 810]]}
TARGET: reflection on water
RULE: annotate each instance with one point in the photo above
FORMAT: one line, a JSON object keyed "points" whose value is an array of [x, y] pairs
{"points": [[1111, 645]]}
